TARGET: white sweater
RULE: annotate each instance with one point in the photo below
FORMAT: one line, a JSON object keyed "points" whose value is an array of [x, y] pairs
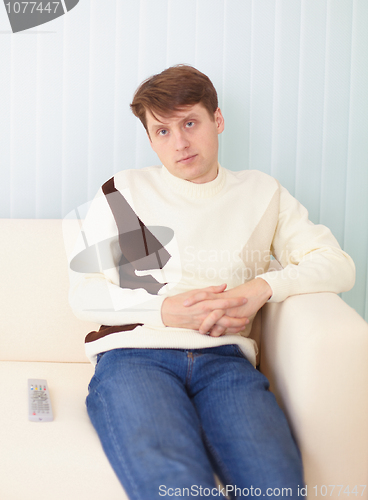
{"points": [[223, 231]]}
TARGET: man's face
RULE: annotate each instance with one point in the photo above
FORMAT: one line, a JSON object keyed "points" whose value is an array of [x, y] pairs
{"points": [[187, 142]]}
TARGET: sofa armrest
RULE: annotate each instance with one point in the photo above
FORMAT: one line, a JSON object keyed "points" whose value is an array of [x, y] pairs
{"points": [[314, 351]]}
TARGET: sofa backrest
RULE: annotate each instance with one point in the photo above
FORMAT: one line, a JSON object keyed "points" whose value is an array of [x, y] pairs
{"points": [[37, 323]]}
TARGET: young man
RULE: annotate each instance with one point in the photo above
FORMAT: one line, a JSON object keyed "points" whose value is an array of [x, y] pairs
{"points": [[184, 251]]}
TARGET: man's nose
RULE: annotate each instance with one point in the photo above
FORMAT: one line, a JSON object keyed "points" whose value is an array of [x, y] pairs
{"points": [[181, 141]]}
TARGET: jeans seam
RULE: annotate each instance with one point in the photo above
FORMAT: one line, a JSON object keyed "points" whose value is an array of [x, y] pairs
{"points": [[117, 447], [190, 365], [222, 466]]}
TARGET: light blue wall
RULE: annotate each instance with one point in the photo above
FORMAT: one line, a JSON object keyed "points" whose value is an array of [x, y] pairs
{"points": [[292, 78]]}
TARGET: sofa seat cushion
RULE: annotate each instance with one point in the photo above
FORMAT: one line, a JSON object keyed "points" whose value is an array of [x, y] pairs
{"points": [[60, 459]]}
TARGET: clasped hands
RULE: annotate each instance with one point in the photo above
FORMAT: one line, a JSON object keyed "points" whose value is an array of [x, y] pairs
{"points": [[214, 311]]}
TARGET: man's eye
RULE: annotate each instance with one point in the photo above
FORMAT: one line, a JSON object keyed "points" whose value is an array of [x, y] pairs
{"points": [[162, 132], [190, 124]]}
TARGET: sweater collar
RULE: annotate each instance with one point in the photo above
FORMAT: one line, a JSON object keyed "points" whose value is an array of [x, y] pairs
{"points": [[193, 190]]}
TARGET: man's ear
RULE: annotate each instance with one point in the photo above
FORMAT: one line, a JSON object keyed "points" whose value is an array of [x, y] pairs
{"points": [[219, 120]]}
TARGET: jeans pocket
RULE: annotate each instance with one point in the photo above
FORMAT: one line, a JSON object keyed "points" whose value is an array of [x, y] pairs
{"points": [[99, 356], [95, 380], [238, 352], [93, 383]]}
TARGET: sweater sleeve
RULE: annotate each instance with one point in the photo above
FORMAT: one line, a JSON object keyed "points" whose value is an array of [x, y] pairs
{"points": [[95, 293], [310, 256]]}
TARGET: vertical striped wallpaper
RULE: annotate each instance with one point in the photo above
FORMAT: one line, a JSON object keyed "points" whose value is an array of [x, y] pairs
{"points": [[292, 78]]}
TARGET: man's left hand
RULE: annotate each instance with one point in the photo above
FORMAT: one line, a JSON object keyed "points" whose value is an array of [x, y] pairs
{"points": [[257, 292]]}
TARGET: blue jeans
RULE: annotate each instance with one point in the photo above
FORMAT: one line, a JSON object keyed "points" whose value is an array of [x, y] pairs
{"points": [[168, 418]]}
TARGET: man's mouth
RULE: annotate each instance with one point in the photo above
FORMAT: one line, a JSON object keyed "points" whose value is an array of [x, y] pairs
{"points": [[187, 159]]}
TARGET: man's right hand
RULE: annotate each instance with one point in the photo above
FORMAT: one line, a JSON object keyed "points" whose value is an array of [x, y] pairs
{"points": [[175, 314]]}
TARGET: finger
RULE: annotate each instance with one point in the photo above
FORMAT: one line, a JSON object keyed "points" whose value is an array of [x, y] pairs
{"points": [[210, 321], [232, 331], [230, 322], [216, 288], [228, 303], [217, 331], [194, 299], [208, 304], [222, 326], [204, 294]]}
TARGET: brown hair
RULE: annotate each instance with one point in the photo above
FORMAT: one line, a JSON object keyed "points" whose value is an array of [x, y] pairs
{"points": [[171, 90]]}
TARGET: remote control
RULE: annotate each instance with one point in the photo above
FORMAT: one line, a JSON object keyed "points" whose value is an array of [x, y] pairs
{"points": [[39, 401]]}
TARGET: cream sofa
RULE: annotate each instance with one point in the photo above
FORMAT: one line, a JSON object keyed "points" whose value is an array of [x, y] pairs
{"points": [[314, 349]]}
